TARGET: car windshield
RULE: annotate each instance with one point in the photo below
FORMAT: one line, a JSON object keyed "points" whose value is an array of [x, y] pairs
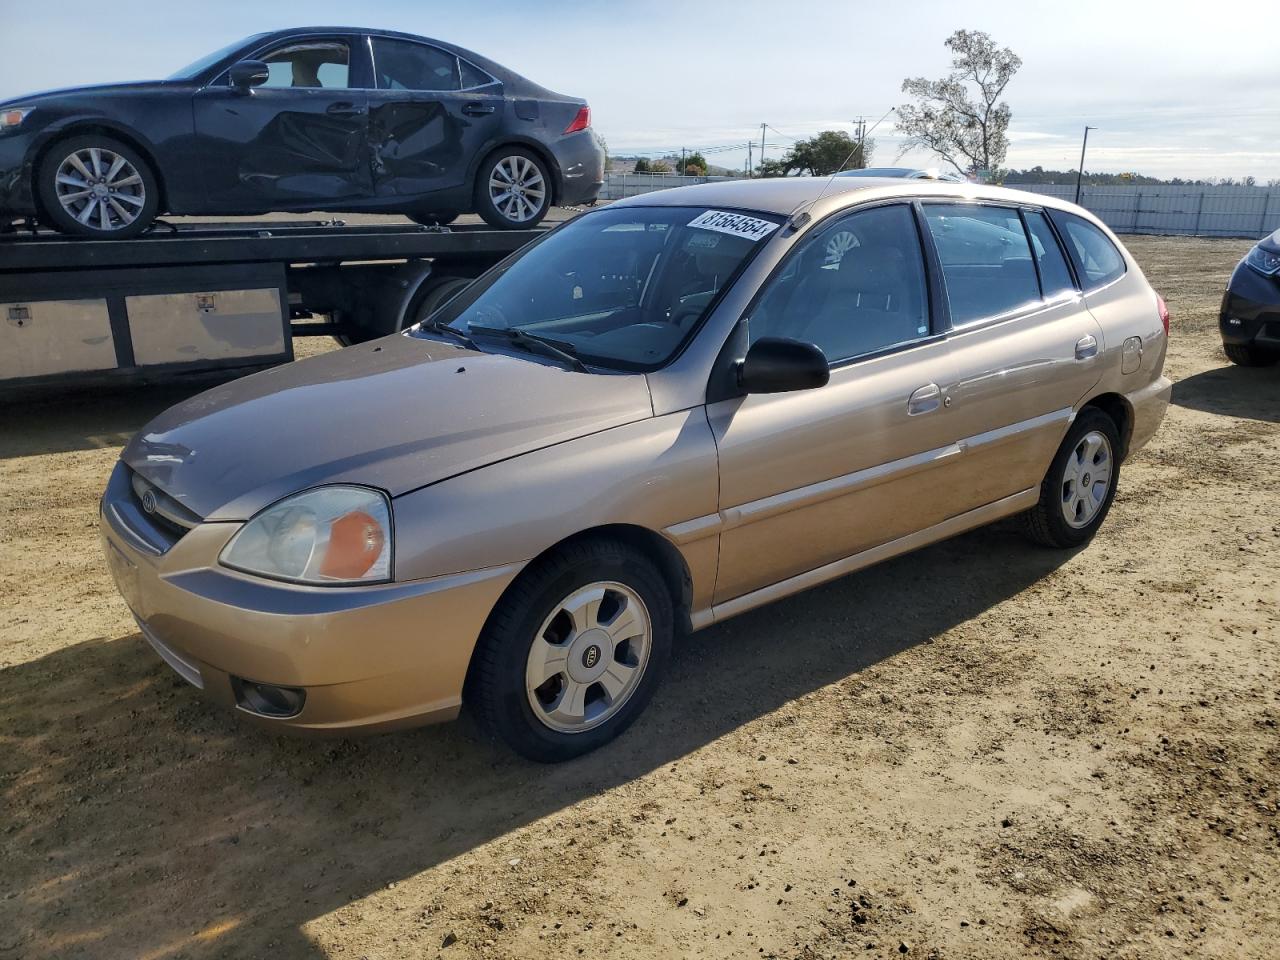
{"points": [[193, 70], [623, 287]]}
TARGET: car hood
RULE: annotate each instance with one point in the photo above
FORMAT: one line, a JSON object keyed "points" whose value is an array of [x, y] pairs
{"points": [[398, 413], [95, 89]]}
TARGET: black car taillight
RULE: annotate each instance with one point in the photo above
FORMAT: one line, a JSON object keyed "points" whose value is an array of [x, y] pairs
{"points": [[581, 121]]}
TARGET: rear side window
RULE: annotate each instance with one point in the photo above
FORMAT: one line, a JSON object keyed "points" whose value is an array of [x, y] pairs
{"points": [[402, 65], [985, 257], [1096, 258], [1055, 278], [473, 76]]}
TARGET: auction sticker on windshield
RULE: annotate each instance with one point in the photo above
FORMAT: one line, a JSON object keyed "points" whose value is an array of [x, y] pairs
{"points": [[734, 224]]}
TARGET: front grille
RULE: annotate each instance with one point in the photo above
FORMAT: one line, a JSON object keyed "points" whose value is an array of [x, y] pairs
{"points": [[161, 509]]}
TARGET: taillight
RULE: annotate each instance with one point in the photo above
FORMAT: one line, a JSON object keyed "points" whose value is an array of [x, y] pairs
{"points": [[1164, 313], [581, 121]]}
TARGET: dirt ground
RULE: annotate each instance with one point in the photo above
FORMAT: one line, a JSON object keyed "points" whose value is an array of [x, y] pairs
{"points": [[985, 749]]}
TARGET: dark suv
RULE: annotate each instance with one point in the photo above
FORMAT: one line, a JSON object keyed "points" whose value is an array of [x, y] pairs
{"points": [[1250, 318], [315, 118]]}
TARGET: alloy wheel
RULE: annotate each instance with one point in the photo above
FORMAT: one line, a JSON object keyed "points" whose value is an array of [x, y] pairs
{"points": [[517, 189], [588, 657], [1086, 479], [100, 189]]}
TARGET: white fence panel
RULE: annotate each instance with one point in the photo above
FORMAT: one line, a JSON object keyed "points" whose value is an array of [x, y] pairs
{"points": [[1186, 210]]}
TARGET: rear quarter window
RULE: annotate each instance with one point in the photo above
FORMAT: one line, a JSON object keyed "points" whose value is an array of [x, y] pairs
{"points": [[1096, 258]]}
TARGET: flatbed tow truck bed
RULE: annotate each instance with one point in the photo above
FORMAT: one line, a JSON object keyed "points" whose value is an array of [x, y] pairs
{"points": [[210, 296]]}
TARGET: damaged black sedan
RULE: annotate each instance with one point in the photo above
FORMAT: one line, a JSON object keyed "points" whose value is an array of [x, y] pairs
{"points": [[332, 119]]}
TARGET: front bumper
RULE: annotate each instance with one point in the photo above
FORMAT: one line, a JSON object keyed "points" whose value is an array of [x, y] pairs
{"points": [[1251, 309], [15, 175], [367, 658]]}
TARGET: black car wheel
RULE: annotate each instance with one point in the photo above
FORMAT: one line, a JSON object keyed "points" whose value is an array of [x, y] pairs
{"points": [[96, 186], [513, 189], [1249, 355], [1078, 489], [573, 651], [436, 218]]}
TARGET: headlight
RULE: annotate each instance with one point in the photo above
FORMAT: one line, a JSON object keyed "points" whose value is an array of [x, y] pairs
{"points": [[329, 535], [1264, 261], [12, 116]]}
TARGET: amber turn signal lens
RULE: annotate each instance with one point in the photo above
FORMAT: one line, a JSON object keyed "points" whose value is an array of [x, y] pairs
{"points": [[355, 542]]}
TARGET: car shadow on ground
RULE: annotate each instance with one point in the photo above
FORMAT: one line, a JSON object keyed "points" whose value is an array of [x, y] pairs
{"points": [[1251, 393], [142, 821]]}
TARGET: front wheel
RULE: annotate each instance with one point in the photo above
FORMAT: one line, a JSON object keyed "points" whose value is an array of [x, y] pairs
{"points": [[573, 652], [96, 186], [513, 189], [1076, 493]]}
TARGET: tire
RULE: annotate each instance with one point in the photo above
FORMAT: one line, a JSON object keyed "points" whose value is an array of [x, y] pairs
{"points": [[511, 655], [1063, 490], [133, 189], [1249, 355], [438, 218], [529, 173]]}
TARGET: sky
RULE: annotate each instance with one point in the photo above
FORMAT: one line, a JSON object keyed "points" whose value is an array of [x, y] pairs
{"points": [[1173, 89]]}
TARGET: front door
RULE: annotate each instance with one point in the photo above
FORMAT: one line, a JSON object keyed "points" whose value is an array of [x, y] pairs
{"points": [[430, 115], [298, 141], [811, 477]]}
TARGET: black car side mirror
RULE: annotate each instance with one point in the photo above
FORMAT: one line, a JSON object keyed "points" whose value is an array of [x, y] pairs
{"points": [[248, 73], [780, 365]]}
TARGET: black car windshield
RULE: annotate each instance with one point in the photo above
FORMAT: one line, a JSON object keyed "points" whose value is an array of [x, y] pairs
{"points": [[622, 287], [193, 70]]}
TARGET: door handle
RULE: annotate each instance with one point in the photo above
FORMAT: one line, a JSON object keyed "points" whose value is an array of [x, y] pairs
{"points": [[344, 109], [924, 400], [1086, 347], [476, 109]]}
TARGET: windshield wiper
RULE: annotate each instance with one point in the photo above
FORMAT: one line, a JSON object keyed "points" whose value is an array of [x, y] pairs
{"points": [[557, 350], [435, 326]]}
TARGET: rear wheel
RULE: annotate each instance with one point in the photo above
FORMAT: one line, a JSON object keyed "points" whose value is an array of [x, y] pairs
{"points": [[513, 189], [95, 186], [1249, 355], [1078, 489], [573, 652]]}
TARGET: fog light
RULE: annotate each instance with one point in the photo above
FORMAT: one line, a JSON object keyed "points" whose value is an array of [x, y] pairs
{"points": [[268, 700]]}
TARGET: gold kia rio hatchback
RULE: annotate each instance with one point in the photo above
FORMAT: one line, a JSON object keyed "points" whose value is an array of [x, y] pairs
{"points": [[658, 415]]}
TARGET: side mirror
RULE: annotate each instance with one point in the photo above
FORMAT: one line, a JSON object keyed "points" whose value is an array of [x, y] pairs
{"points": [[780, 365], [248, 73]]}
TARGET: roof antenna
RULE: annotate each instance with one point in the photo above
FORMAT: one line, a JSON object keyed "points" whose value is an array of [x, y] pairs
{"points": [[801, 217]]}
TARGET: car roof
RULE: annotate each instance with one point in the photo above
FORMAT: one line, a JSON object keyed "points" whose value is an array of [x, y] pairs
{"points": [[786, 195]]}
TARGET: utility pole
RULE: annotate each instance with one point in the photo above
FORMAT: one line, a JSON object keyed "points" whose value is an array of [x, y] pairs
{"points": [[682, 152], [861, 156], [762, 129], [1080, 172], [750, 147]]}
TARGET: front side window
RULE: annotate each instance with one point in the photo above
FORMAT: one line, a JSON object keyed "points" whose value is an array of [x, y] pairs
{"points": [[313, 64], [404, 65], [622, 287], [985, 258], [1096, 258], [854, 287]]}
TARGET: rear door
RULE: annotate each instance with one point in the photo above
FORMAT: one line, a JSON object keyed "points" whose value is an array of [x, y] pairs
{"points": [[298, 141], [1026, 348], [430, 114]]}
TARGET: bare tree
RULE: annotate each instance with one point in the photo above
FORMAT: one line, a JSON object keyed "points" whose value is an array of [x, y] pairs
{"points": [[960, 117]]}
